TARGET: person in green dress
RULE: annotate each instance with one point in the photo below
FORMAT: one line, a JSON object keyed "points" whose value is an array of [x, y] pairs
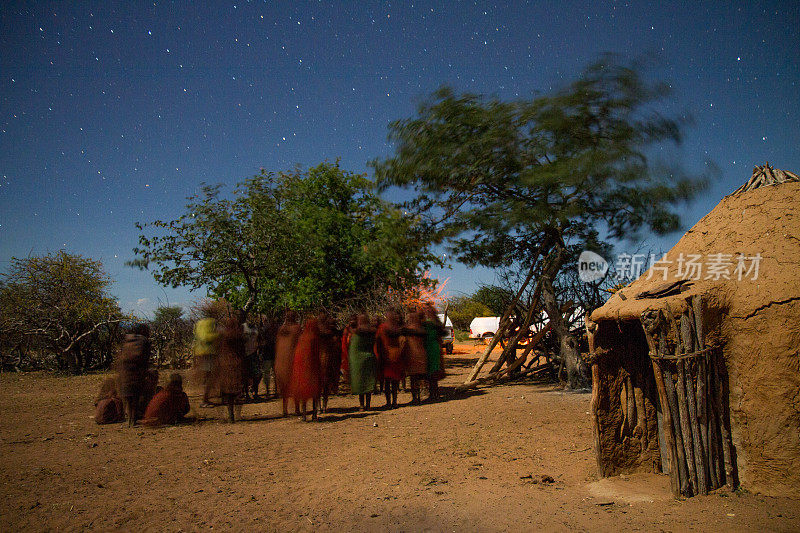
{"points": [[433, 349], [363, 364]]}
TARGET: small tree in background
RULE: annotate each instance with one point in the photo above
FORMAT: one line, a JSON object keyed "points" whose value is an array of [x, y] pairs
{"points": [[171, 336], [462, 309], [57, 310]]}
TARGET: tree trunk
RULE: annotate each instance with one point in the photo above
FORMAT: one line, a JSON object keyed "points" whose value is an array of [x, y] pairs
{"points": [[568, 344], [73, 360], [571, 356]]}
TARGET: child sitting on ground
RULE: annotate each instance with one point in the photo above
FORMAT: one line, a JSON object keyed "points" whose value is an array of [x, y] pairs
{"points": [[169, 405], [108, 408]]}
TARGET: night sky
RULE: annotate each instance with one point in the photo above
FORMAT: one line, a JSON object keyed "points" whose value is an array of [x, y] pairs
{"points": [[115, 112]]}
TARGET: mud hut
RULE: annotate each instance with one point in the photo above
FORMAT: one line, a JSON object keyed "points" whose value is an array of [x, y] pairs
{"points": [[696, 364]]}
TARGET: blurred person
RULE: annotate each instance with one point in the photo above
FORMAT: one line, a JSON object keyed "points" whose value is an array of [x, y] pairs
{"points": [[108, 406], [389, 351], [285, 343], [362, 361], [267, 331], [434, 331], [347, 335], [169, 405], [206, 340], [132, 363], [231, 372], [253, 362], [305, 380], [149, 389], [415, 356], [330, 358]]}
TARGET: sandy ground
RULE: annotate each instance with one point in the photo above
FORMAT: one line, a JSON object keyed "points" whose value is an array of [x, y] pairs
{"points": [[469, 463]]}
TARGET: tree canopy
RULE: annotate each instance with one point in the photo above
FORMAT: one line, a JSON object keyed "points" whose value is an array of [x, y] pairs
{"points": [[495, 177], [300, 240], [532, 182], [56, 309]]}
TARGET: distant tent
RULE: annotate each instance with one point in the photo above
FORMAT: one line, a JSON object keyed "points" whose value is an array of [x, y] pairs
{"points": [[696, 364]]}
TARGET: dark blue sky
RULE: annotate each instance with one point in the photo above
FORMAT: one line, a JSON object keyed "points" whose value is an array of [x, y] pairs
{"points": [[114, 112]]}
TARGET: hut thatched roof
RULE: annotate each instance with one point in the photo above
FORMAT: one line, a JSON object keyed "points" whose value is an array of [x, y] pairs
{"points": [[761, 221]]}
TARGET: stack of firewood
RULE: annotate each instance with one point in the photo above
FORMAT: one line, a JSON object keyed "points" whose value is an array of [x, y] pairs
{"points": [[766, 175], [692, 390]]}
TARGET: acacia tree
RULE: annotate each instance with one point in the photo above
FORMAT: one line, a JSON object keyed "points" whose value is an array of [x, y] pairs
{"points": [[301, 240], [56, 308], [531, 182]]}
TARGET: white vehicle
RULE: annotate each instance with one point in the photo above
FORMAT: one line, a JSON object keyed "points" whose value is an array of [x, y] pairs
{"points": [[447, 340], [483, 326]]}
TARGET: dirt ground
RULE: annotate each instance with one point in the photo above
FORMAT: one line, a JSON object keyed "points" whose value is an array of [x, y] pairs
{"points": [[474, 462]]}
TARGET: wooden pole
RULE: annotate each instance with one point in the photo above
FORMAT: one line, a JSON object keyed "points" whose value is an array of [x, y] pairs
{"points": [[504, 323], [715, 441], [649, 320], [591, 329], [702, 388], [510, 350], [691, 384], [501, 376], [595, 417], [672, 399], [723, 422], [683, 407], [516, 364]]}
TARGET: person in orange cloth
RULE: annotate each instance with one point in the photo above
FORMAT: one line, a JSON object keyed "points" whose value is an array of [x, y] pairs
{"points": [[414, 353], [169, 405], [285, 342], [330, 358], [305, 381], [231, 370], [389, 351]]}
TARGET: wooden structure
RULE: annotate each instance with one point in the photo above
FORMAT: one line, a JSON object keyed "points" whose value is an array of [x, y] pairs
{"points": [[697, 374]]}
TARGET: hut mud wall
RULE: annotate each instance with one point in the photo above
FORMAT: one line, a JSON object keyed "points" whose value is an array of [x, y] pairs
{"points": [[762, 353], [624, 400]]}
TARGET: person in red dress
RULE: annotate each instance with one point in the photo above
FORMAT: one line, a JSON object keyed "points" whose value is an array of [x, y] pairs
{"points": [[414, 352], [169, 405], [389, 351], [285, 342], [305, 381]]}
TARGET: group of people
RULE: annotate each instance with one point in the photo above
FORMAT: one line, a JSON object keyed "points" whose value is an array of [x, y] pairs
{"points": [[135, 394], [308, 360]]}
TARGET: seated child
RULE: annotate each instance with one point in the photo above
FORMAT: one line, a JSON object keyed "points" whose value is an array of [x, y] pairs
{"points": [[169, 405], [108, 408]]}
